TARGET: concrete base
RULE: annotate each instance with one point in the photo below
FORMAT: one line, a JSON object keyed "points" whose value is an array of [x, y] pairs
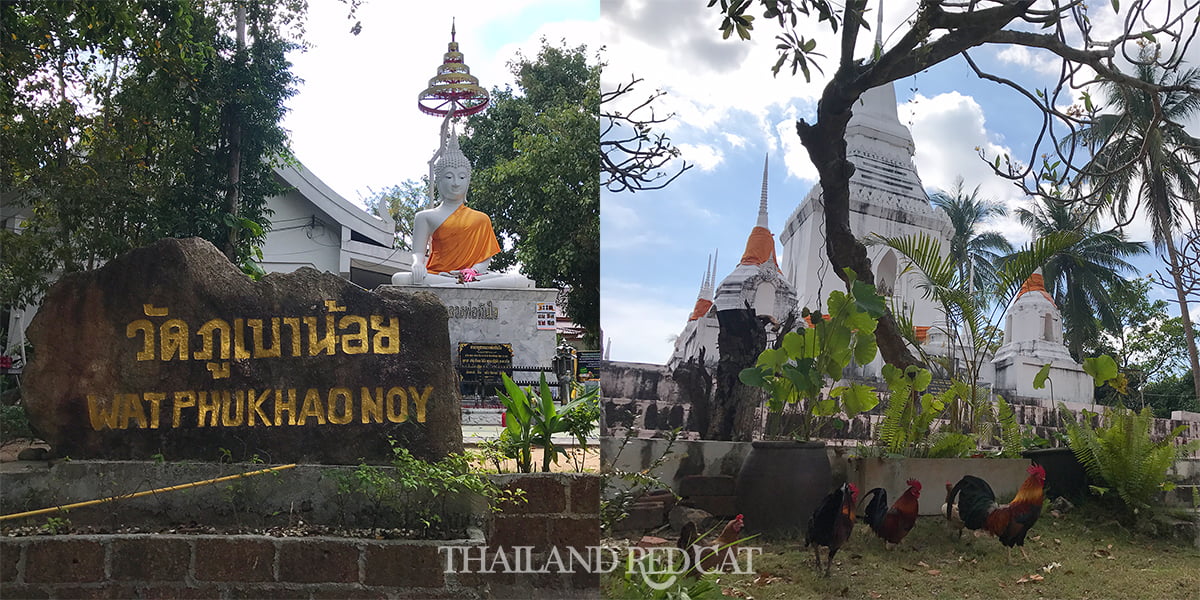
{"points": [[495, 316], [1005, 475]]}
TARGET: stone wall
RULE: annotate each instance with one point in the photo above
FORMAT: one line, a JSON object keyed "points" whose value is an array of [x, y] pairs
{"points": [[562, 511]]}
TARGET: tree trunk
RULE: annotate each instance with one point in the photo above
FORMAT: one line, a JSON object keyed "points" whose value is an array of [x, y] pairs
{"points": [[740, 339], [695, 386], [1180, 292], [234, 127]]}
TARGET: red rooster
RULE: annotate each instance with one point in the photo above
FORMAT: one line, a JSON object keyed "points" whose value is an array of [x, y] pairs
{"points": [[712, 555], [1010, 522], [892, 524], [830, 525]]}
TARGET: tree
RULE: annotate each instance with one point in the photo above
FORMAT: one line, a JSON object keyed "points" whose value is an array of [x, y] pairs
{"points": [[122, 122], [1080, 276], [936, 32], [536, 173], [632, 155], [400, 203], [976, 253], [1146, 158]]}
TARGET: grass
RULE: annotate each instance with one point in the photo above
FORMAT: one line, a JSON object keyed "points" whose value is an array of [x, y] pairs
{"points": [[1081, 555]]}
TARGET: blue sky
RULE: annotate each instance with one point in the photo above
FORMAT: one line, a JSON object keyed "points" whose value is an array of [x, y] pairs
{"points": [[730, 112]]}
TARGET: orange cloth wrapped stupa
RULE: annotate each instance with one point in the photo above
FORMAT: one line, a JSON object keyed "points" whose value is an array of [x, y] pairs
{"points": [[1036, 283], [464, 240], [760, 247]]}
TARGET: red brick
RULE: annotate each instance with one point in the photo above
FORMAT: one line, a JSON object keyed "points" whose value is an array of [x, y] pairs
{"points": [[238, 559], [405, 565], [149, 559], [170, 592], [10, 555], [480, 580], [578, 533], [506, 532], [308, 561], [267, 592], [339, 592], [585, 494], [64, 561], [99, 592], [25, 592], [544, 493]]}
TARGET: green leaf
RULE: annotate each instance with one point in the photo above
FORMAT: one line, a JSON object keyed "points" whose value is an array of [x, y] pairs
{"points": [[867, 299], [1102, 368], [865, 348], [1116, 4], [793, 344], [922, 379], [753, 377], [859, 398], [1039, 380]]}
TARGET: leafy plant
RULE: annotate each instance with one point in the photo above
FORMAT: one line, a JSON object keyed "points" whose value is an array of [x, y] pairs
{"points": [[798, 371], [652, 577], [418, 491], [910, 410], [56, 525], [533, 420], [619, 488], [14, 423], [1121, 453], [1010, 430]]}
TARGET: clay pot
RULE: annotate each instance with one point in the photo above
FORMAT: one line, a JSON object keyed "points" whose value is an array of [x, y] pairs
{"points": [[780, 485]]}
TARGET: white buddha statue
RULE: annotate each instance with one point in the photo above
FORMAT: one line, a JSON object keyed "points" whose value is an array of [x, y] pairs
{"points": [[452, 242]]}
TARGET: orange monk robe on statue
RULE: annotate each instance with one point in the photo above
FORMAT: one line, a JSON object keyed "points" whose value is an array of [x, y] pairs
{"points": [[462, 241]]}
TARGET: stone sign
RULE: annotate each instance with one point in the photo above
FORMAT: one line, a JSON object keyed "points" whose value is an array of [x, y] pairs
{"points": [[170, 350]]}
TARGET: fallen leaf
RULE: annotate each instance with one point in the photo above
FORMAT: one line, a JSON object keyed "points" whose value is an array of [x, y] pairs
{"points": [[1036, 538], [908, 569], [922, 564], [875, 595], [1051, 566], [934, 572], [1023, 580], [1036, 577], [1057, 541]]}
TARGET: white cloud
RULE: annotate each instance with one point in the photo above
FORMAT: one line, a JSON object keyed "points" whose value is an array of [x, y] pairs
{"points": [[795, 155], [1042, 62], [947, 130], [642, 328], [704, 156], [736, 141]]}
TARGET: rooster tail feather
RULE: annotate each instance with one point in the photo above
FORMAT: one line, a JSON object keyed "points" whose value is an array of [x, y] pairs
{"points": [[975, 500], [876, 508]]}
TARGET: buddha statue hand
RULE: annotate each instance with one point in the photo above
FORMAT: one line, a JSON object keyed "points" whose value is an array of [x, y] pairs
{"points": [[418, 269]]}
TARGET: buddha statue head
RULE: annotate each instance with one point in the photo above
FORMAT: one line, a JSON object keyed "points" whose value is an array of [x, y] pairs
{"points": [[452, 172]]}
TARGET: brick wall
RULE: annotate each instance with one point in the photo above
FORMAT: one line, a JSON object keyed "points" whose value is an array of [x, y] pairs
{"points": [[562, 510]]}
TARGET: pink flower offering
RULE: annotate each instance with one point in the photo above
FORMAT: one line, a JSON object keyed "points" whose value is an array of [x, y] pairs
{"points": [[469, 274]]}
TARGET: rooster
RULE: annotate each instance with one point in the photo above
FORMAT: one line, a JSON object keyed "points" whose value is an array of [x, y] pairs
{"points": [[830, 525], [1009, 522], [892, 524], [712, 555], [955, 521]]}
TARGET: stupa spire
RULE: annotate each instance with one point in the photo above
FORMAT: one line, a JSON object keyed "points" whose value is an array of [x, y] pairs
{"points": [[704, 299], [762, 202]]}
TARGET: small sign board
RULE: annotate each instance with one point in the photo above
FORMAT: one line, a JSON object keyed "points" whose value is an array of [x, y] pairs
{"points": [[588, 366], [545, 316], [484, 362]]}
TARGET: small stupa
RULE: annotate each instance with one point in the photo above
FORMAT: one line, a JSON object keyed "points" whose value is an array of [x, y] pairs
{"points": [[1033, 337]]}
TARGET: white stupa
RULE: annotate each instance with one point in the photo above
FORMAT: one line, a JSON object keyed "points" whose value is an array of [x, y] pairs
{"points": [[701, 328], [1033, 337]]}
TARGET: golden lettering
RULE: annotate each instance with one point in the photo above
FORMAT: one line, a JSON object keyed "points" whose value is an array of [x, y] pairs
{"points": [[421, 399], [219, 370], [102, 412], [155, 400], [255, 407], [181, 404], [174, 336], [328, 343], [311, 408], [332, 306], [294, 323], [207, 332], [353, 343], [147, 352], [233, 413], [288, 406], [387, 337], [131, 410], [239, 340], [256, 334], [397, 400], [208, 406], [372, 406], [151, 311], [347, 402]]}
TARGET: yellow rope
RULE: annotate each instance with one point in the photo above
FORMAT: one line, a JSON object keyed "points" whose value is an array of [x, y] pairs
{"points": [[183, 486]]}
